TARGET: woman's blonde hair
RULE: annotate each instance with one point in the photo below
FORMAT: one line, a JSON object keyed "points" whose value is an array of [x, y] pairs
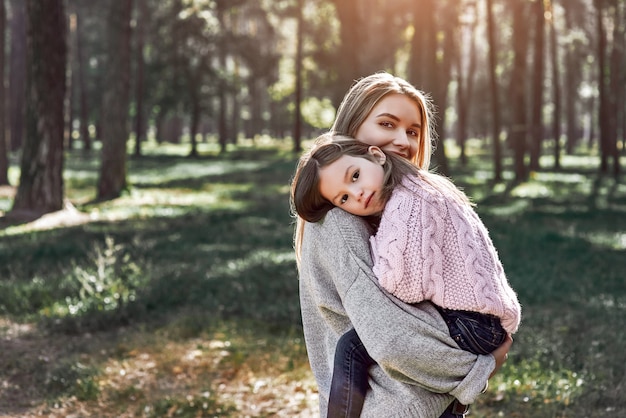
{"points": [[357, 105]]}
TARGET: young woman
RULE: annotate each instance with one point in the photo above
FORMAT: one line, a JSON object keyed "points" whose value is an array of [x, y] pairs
{"points": [[430, 245], [418, 369]]}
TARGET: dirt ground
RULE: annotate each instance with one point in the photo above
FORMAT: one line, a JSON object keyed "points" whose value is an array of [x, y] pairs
{"points": [[137, 370]]}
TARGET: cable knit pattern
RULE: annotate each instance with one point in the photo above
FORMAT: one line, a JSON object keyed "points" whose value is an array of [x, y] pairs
{"points": [[430, 247]]}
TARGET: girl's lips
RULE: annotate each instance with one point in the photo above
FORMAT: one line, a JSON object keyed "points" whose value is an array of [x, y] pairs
{"points": [[367, 201]]}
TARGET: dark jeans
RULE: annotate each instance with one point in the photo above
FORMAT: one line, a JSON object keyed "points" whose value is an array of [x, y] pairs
{"points": [[473, 332], [350, 377]]}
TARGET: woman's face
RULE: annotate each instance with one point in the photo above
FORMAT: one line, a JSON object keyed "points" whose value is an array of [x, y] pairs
{"points": [[393, 125]]}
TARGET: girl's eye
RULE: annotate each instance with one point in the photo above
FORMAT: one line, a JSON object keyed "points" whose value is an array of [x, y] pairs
{"points": [[344, 198], [386, 124], [355, 176], [413, 133]]}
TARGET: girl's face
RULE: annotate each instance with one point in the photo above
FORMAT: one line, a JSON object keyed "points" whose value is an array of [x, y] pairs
{"points": [[393, 125], [355, 184]]}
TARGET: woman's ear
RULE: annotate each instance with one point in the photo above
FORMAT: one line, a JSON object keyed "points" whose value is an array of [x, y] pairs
{"points": [[378, 154]]}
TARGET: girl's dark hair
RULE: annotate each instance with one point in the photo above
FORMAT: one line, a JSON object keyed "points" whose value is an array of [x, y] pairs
{"points": [[306, 199]]}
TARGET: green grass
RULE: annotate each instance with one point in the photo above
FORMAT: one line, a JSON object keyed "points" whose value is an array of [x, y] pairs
{"points": [[181, 297]]}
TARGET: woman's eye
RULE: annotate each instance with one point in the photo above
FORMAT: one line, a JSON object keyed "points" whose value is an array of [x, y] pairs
{"points": [[355, 176], [344, 198], [413, 133], [386, 124]]}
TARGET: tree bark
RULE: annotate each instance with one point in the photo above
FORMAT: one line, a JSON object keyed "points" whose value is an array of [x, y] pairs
{"points": [[82, 86], [556, 90], [112, 180], [495, 103], [616, 84], [297, 123], [603, 84], [518, 131], [536, 119], [350, 22], [17, 75], [41, 178], [140, 70], [465, 80], [4, 160]]}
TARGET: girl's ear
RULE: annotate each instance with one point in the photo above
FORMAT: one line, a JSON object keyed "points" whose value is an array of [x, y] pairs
{"points": [[378, 154]]}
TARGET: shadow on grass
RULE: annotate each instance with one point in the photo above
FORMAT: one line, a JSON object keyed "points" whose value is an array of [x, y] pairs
{"points": [[561, 237]]}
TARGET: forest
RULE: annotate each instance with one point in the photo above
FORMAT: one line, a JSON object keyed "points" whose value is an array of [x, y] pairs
{"points": [[526, 78], [146, 149]]}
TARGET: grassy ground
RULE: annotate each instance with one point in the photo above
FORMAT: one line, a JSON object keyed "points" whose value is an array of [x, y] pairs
{"points": [[180, 298]]}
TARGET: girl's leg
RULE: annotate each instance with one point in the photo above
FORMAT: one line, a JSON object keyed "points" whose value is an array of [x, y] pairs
{"points": [[350, 377], [474, 332]]}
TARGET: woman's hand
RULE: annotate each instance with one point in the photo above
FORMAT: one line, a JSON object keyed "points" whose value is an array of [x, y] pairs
{"points": [[501, 354]]}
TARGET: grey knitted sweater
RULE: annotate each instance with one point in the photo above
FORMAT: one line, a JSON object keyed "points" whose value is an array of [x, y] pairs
{"points": [[420, 366]]}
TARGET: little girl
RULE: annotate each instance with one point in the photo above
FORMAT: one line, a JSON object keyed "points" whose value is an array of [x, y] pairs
{"points": [[429, 245]]}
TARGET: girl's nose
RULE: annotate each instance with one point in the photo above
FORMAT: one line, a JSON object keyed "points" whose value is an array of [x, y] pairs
{"points": [[357, 194]]}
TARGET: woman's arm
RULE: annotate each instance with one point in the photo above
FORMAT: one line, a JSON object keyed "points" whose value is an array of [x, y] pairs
{"points": [[411, 343]]}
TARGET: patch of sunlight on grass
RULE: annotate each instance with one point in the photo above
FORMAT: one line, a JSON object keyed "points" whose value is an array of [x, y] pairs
{"points": [[515, 207], [612, 240], [568, 178], [146, 203], [608, 301], [531, 190], [538, 385], [185, 170], [260, 256], [580, 161]]}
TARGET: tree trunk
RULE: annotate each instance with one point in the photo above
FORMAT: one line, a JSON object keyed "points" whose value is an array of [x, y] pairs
{"points": [[112, 180], [350, 47], [436, 73], [465, 82], [616, 84], [82, 86], [139, 81], [41, 180], [571, 82], [556, 91], [4, 160], [297, 123], [222, 127], [194, 96], [17, 75], [536, 119], [519, 129], [603, 84], [495, 103]]}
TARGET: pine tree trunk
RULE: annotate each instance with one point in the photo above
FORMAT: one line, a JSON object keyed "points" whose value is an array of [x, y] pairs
{"points": [[495, 103], [518, 131], [82, 86], [112, 179], [4, 160], [41, 180], [556, 92], [536, 122], [17, 75], [139, 82]]}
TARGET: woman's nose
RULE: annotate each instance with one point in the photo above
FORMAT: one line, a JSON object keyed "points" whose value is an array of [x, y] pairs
{"points": [[401, 140]]}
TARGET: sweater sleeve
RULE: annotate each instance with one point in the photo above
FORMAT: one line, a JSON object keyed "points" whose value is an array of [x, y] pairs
{"points": [[390, 242], [411, 343]]}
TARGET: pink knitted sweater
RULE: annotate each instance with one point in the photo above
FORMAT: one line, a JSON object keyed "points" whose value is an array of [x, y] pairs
{"points": [[430, 247]]}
